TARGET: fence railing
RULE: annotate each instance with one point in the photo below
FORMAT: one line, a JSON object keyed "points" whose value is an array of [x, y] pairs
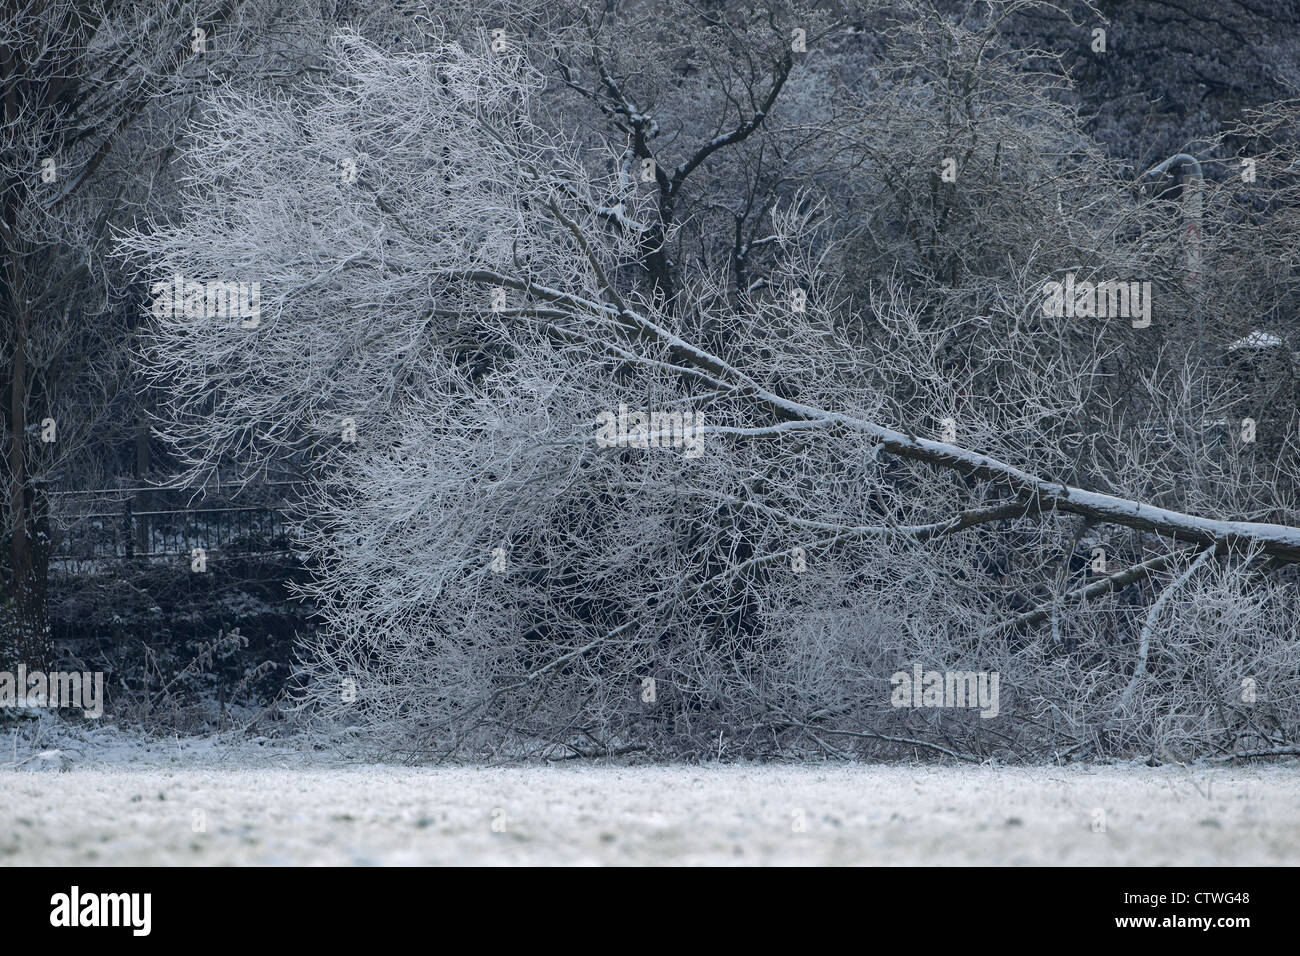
{"points": [[102, 524]]}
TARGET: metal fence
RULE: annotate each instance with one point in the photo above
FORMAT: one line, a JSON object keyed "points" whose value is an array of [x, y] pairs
{"points": [[104, 524]]}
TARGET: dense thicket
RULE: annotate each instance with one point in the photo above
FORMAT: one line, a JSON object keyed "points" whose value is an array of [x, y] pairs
{"points": [[824, 236]]}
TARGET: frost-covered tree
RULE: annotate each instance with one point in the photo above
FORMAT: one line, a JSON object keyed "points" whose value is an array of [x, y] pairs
{"points": [[552, 505]]}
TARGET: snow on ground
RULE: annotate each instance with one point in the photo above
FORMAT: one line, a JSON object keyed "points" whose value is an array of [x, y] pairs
{"points": [[269, 804]]}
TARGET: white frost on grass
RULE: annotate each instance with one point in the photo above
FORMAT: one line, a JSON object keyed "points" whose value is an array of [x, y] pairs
{"points": [[273, 806]]}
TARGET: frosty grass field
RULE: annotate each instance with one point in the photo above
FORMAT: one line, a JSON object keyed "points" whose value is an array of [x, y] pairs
{"points": [[198, 803]]}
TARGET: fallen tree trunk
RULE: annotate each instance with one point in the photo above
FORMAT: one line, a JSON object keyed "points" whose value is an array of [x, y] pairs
{"points": [[1280, 542]]}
